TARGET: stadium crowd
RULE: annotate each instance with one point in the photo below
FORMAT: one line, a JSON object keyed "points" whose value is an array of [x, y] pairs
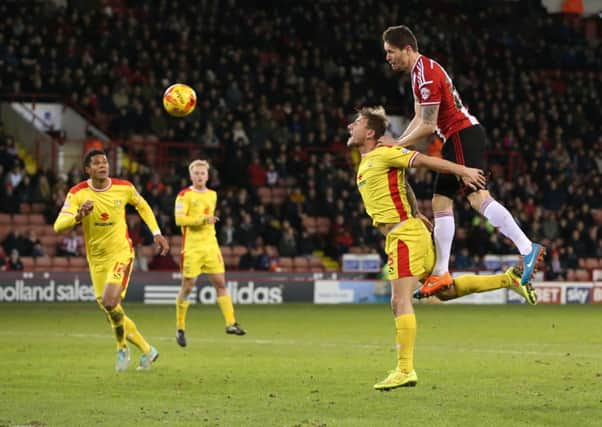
{"points": [[277, 86]]}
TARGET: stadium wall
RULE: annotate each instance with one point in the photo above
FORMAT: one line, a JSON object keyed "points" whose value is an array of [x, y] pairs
{"points": [[266, 288]]}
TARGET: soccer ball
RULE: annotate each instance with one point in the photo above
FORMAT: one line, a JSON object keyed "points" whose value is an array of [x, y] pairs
{"points": [[179, 100]]}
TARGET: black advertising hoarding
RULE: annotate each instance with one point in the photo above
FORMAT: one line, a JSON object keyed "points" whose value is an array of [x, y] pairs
{"points": [[160, 287]]}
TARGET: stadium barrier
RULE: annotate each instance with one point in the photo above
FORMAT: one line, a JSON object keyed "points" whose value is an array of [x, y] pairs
{"points": [[267, 288]]}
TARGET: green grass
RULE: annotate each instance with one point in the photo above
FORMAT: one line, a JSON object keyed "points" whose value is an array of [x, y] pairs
{"points": [[304, 365]]}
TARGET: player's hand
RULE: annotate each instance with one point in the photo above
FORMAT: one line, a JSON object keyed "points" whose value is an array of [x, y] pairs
{"points": [[162, 243], [474, 178], [426, 221], [211, 220], [84, 210], [386, 140]]}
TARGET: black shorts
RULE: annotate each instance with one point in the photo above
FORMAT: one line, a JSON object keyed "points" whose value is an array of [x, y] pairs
{"points": [[466, 147]]}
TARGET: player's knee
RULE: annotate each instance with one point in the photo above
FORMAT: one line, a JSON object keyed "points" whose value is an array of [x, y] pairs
{"points": [[477, 198], [397, 303], [109, 303]]}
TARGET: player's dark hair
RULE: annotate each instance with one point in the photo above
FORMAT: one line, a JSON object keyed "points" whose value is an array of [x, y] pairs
{"points": [[90, 154], [400, 37], [376, 120]]}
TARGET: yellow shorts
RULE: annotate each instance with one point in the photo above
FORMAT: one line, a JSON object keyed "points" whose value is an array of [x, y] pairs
{"points": [[116, 271], [410, 250], [208, 259]]}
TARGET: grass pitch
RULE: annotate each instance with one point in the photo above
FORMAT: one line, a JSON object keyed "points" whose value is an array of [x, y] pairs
{"points": [[304, 365]]}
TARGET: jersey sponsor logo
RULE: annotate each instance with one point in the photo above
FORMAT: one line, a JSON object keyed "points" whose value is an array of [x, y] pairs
{"points": [[104, 216], [118, 204]]}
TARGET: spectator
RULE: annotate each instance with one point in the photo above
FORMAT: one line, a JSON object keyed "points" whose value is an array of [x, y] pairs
{"points": [[14, 262], [71, 245], [287, 246], [163, 263], [227, 233]]}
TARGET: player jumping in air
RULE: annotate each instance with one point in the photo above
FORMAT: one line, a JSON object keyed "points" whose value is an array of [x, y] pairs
{"points": [[408, 244], [438, 108]]}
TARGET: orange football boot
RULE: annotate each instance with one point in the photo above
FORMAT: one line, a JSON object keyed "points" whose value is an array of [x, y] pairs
{"points": [[434, 284]]}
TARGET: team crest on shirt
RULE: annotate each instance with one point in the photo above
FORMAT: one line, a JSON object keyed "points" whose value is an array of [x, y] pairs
{"points": [[360, 181], [425, 93], [118, 204]]}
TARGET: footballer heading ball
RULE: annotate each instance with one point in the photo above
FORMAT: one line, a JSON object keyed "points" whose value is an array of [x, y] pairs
{"points": [[179, 100]]}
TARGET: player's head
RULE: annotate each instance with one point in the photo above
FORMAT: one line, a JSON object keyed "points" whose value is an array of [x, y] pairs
{"points": [[401, 47], [199, 173], [96, 164], [369, 125]]}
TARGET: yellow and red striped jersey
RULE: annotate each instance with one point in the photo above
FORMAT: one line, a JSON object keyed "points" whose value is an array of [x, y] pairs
{"points": [[192, 209], [105, 228], [381, 182]]}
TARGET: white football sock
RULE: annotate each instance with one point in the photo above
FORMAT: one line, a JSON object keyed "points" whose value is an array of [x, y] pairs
{"points": [[443, 234], [501, 219]]}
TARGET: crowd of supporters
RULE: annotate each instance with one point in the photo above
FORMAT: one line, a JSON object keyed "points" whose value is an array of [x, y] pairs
{"points": [[277, 85]]}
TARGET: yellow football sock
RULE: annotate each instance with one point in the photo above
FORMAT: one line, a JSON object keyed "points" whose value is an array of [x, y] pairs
{"points": [[181, 310], [117, 318], [405, 326], [225, 305], [134, 336], [471, 283]]}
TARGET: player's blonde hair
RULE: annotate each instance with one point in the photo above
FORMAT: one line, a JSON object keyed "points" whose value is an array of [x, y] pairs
{"points": [[377, 119], [198, 162]]}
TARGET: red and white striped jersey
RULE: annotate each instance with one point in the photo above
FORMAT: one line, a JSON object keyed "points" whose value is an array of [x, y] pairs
{"points": [[432, 85]]}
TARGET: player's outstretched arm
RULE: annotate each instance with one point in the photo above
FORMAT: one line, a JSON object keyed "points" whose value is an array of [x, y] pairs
{"points": [[422, 125], [71, 214], [473, 178], [146, 213]]}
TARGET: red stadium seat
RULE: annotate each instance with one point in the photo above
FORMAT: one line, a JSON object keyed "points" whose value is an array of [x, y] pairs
{"points": [[43, 263], [5, 218], [285, 263], [25, 208], [78, 264], [37, 219], [28, 263], [225, 250], [301, 264], [21, 219], [60, 263], [38, 207], [238, 250]]}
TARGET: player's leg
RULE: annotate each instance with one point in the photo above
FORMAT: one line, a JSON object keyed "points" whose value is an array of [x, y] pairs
{"points": [[443, 236], [470, 147], [125, 328], [182, 305], [224, 302], [501, 218], [406, 254], [404, 374], [472, 283], [190, 266], [213, 265], [445, 188]]}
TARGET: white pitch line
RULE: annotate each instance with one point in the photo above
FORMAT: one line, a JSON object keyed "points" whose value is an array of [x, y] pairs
{"points": [[247, 340]]}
